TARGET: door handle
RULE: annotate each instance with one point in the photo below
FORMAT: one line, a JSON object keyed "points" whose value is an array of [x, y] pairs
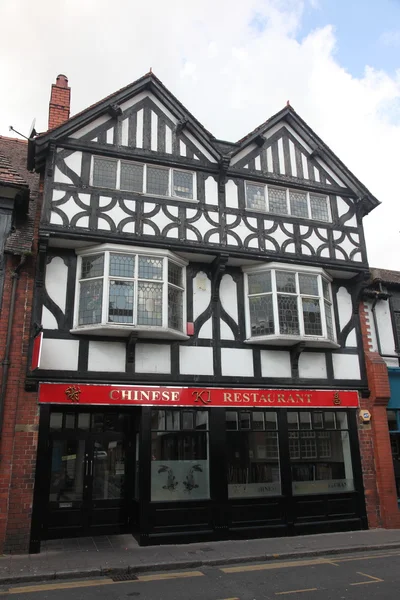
{"points": [[91, 468], [87, 468]]}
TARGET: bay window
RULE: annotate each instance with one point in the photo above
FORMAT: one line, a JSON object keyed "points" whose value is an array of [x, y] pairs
{"points": [[284, 201], [123, 288], [143, 178], [284, 303]]}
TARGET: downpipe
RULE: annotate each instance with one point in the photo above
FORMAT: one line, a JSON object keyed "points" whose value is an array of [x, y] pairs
{"points": [[6, 360]]}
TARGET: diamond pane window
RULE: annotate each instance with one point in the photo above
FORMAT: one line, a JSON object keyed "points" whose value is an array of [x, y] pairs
{"points": [[288, 315], [150, 268], [286, 282], [261, 315], [319, 208], [90, 302], [288, 303], [131, 177], [92, 266], [122, 265], [298, 204], [157, 181], [150, 303], [131, 289], [312, 317], [255, 196], [277, 201], [105, 172], [308, 284], [182, 184], [120, 302]]}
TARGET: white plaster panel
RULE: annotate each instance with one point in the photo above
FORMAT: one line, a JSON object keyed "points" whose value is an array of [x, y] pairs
{"points": [[59, 355], [59, 177], [124, 132], [103, 224], [228, 296], [226, 331], [90, 126], [258, 163], [214, 238], [117, 215], [56, 281], [231, 194], [351, 341], [154, 130], [74, 162], [312, 365], [84, 198], [182, 148], [346, 366], [201, 294], [107, 356], [241, 230], [270, 163], [55, 219], [279, 236], [110, 135], [58, 194], [211, 191], [292, 154], [330, 172], [305, 166], [152, 358], [347, 245], [325, 253], [275, 363], [243, 153], [195, 360], [344, 306], [202, 225], [83, 222], [160, 219], [281, 157], [205, 332], [342, 206], [200, 146], [168, 140], [316, 174], [139, 129], [236, 362], [385, 328], [48, 319]]}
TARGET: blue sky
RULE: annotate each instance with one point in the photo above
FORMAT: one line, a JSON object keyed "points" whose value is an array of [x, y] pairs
{"points": [[367, 31]]}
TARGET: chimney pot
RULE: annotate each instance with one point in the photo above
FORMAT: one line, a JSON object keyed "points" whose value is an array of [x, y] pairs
{"points": [[62, 81]]}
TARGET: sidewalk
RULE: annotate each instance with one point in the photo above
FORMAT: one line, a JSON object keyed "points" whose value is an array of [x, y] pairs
{"points": [[94, 557]]}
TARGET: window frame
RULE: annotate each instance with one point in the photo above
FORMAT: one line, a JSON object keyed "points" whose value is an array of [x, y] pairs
{"points": [[145, 166], [277, 337], [395, 295], [288, 207], [104, 327]]}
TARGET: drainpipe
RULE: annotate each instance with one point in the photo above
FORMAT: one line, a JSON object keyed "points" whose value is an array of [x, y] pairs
{"points": [[6, 361]]}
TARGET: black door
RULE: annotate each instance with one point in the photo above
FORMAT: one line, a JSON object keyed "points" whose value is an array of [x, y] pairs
{"points": [[89, 466]]}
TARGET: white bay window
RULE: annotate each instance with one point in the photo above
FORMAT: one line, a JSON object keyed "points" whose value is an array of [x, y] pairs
{"points": [[285, 305], [120, 289]]}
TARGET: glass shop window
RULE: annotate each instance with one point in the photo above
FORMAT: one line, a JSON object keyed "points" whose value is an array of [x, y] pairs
{"points": [[180, 455], [394, 430], [319, 448], [253, 454]]}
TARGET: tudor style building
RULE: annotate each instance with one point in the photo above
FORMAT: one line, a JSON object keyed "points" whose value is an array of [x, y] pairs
{"points": [[201, 358]]}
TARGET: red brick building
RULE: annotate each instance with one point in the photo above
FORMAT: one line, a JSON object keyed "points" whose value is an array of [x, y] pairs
{"points": [[18, 409]]}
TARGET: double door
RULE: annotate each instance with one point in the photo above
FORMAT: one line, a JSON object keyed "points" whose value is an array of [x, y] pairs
{"points": [[89, 480]]}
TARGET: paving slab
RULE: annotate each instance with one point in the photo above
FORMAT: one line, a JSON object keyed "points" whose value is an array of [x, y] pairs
{"points": [[94, 557]]}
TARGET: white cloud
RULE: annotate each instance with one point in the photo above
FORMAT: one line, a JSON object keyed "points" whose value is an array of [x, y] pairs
{"points": [[231, 74]]}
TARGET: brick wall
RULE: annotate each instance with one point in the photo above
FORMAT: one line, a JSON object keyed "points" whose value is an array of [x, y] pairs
{"points": [[21, 416], [60, 100], [376, 455]]}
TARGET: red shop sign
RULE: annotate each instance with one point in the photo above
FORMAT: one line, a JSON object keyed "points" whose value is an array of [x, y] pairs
{"points": [[116, 395]]}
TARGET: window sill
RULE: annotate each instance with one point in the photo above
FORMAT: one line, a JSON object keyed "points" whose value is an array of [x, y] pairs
{"points": [[272, 215], [177, 198], [291, 340], [125, 330]]}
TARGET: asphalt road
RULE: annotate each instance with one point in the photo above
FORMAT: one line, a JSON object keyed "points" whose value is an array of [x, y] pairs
{"points": [[362, 576]]}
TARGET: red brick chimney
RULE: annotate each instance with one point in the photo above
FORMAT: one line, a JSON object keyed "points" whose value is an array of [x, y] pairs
{"points": [[60, 100]]}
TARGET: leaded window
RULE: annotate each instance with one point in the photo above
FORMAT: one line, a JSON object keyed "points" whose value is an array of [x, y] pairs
{"points": [[283, 302], [284, 201], [131, 288], [142, 178]]}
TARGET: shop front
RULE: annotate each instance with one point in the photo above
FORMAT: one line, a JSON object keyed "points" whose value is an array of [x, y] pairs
{"points": [[176, 464]]}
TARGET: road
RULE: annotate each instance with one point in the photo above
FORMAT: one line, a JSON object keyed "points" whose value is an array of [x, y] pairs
{"points": [[362, 576]]}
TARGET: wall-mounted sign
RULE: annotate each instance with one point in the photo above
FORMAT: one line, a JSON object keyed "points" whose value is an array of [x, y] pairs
{"points": [[63, 393]]}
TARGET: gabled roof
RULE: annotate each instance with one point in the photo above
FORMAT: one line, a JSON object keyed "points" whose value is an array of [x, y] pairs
{"points": [[15, 151], [148, 82], [8, 175], [384, 276], [290, 116]]}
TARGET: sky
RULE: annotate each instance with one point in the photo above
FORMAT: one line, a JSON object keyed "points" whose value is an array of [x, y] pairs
{"points": [[233, 65]]}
